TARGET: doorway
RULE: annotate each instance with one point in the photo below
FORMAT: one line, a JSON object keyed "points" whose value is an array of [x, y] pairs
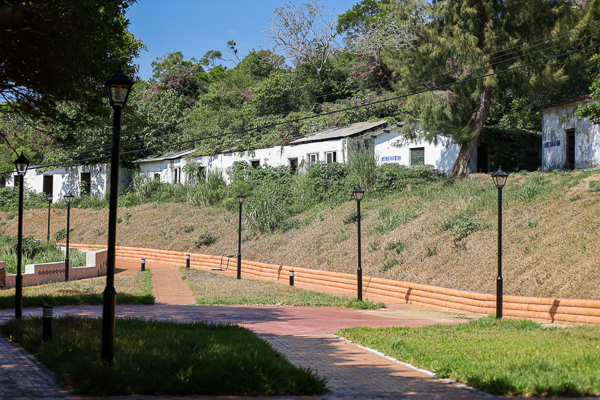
{"points": [[86, 182], [48, 184], [570, 149]]}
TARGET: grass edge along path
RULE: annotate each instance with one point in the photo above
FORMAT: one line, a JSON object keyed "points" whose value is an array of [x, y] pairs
{"points": [[131, 289], [501, 357], [163, 358], [210, 288]]}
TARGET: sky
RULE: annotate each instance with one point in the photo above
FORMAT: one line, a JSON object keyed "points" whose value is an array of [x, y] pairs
{"points": [[194, 27]]}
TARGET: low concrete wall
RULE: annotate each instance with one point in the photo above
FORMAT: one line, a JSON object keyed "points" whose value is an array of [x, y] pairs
{"points": [[544, 309], [37, 274]]}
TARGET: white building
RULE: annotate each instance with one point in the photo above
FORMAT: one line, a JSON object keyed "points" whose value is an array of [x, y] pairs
{"points": [[327, 146], [568, 142], [78, 180]]}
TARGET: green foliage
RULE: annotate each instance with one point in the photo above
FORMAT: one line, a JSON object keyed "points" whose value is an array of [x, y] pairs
{"points": [[462, 225], [533, 188], [60, 234], [35, 252], [430, 251], [398, 246], [393, 178], [206, 238], [194, 359], [352, 218], [389, 218], [289, 224], [9, 199], [512, 149], [363, 166], [389, 265], [507, 357]]}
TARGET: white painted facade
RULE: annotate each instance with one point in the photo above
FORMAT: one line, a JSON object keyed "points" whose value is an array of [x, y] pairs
{"points": [[328, 149], [441, 155], [61, 181], [564, 135]]}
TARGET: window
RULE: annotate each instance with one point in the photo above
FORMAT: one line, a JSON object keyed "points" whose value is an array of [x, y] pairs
{"points": [[417, 156], [293, 165], [86, 182], [313, 158], [255, 163], [176, 176], [157, 176], [16, 180], [330, 156], [2, 182]]}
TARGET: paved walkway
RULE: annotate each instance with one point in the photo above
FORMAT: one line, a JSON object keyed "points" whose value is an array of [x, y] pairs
{"points": [[304, 335]]}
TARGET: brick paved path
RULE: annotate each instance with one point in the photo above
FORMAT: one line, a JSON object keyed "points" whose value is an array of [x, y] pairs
{"points": [[22, 376], [169, 288]]}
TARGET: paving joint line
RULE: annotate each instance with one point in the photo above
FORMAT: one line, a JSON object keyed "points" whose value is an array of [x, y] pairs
{"points": [[421, 370]]}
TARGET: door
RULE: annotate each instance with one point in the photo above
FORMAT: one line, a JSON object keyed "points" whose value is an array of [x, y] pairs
{"points": [[570, 149], [86, 183], [48, 184]]}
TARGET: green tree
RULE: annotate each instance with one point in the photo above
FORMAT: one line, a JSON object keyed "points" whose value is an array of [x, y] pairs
{"points": [[466, 38], [62, 50]]}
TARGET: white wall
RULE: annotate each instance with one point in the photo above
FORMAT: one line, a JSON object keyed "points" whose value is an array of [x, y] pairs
{"points": [[442, 156], [274, 156], [65, 180], [555, 123]]}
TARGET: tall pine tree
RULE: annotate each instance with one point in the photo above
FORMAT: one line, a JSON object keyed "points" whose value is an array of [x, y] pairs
{"points": [[466, 38]]}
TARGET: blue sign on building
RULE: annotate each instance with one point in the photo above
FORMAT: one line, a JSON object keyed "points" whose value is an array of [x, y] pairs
{"points": [[390, 158], [552, 144]]}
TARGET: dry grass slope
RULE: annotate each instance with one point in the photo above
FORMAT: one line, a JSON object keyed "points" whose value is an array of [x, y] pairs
{"points": [[551, 228]]}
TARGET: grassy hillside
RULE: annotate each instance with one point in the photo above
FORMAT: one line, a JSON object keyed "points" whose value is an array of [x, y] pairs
{"points": [[443, 233]]}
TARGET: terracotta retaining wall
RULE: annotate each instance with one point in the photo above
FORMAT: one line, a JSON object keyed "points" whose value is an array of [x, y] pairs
{"points": [[37, 274], [546, 309]]}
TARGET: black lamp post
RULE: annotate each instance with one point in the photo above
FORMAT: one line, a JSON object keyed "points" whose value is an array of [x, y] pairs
{"points": [[22, 164], [358, 195], [499, 178], [240, 198], [118, 88], [69, 198], [49, 198]]}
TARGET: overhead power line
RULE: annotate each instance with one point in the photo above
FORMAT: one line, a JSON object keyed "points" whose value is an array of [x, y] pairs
{"points": [[323, 114]]}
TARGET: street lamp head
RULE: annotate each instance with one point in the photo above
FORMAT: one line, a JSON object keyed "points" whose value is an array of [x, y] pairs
{"points": [[49, 198], [240, 198], [68, 197], [499, 178], [118, 88], [358, 193], [22, 163]]}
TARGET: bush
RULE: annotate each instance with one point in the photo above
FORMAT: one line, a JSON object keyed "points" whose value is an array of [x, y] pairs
{"points": [[263, 212], [390, 218], [462, 225], [60, 234], [393, 178], [35, 252], [205, 239]]}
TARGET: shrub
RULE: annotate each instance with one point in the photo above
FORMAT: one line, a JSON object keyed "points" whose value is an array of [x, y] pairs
{"points": [[205, 239], [392, 178], [60, 234], [390, 218], [352, 218], [533, 188], [462, 225], [263, 212], [363, 166]]}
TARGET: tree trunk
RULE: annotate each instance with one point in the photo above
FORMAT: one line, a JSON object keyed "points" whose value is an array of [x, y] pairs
{"points": [[466, 150]]}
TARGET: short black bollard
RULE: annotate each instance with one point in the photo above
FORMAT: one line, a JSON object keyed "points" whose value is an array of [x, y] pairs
{"points": [[46, 323], [291, 278], [143, 264], [187, 261]]}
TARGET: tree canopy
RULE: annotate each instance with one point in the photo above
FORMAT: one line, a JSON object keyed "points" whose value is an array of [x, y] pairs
{"points": [[61, 50]]}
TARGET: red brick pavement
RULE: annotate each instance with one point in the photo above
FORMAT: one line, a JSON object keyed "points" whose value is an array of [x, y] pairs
{"points": [[302, 334]]}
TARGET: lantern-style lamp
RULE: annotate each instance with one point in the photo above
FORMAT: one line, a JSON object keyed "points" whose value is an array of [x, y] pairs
{"points": [[499, 178], [118, 88], [22, 163], [240, 198], [358, 193]]}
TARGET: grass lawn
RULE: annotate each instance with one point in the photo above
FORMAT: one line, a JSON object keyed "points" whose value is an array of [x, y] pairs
{"points": [[160, 358], [131, 289], [211, 288], [506, 357]]}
